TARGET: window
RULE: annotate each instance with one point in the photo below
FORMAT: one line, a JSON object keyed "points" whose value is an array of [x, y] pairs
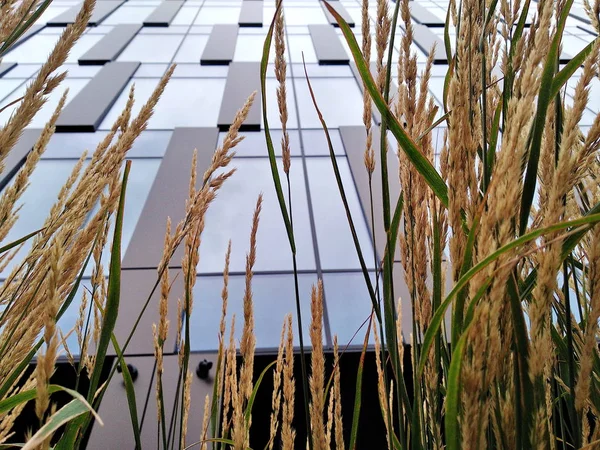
{"points": [[151, 48], [129, 14], [230, 217], [191, 49], [273, 298], [336, 247]]}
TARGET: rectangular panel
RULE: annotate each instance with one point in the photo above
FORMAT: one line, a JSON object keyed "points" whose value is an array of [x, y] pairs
{"points": [[168, 195], [251, 14], [164, 14], [16, 157], [328, 48], [220, 47], [423, 16], [354, 139], [101, 11], [356, 73], [337, 5], [243, 79], [6, 67], [110, 46], [86, 111], [425, 38]]}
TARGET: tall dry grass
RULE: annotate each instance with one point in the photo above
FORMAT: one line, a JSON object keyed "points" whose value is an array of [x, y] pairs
{"points": [[504, 350]]}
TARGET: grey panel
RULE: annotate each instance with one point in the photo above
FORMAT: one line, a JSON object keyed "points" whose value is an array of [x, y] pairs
{"points": [[136, 287], [425, 38], [393, 87], [251, 14], [168, 195], [354, 139], [328, 48], [101, 11], [16, 157], [580, 14], [220, 47], [341, 11], [243, 79], [423, 16], [110, 46], [164, 14], [86, 111], [564, 57], [6, 67], [114, 410]]}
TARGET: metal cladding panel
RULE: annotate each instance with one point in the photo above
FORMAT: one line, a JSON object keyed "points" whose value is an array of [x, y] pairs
{"points": [[220, 47], [328, 48], [243, 79], [167, 196], [16, 157], [164, 14], [251, 14], [102, 10], [341, 11], [6, 67], [110, 46], [86, 111]]}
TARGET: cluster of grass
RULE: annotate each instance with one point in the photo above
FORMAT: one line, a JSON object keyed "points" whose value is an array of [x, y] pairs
{"points": [[517, 363]]}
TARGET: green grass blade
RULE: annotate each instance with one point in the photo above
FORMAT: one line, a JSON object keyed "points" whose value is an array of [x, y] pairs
{"points": [[23, 397], [561, 78], [130, 392], [461, 283], [340, 184], [114, 291], [7, 247], [70, 411], [358, 392], [394, 226], [255, 391], [23, 27], [422, 164], [272, 160], [544, 99], [451, 422]]}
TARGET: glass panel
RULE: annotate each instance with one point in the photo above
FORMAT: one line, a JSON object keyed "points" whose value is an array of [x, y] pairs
{"points": [[100, 29], [250, 47], [315, 70], [151, 70], [198, 71], [336, 247], [185, 16], [301, 43], [230, 217], [304, 16], [217, 15], [70, 316], [34, 50], [315, 142], [348, 305], [254, 143], [339, 100], [7, 86], [149, 144], [200, 30], [45, 183], [172, 29], [273, 298], [77, 71], [22, 71], [151, 48], [51, 12], [129, 14], [189, 103], [73, 84], [191, 49]]}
